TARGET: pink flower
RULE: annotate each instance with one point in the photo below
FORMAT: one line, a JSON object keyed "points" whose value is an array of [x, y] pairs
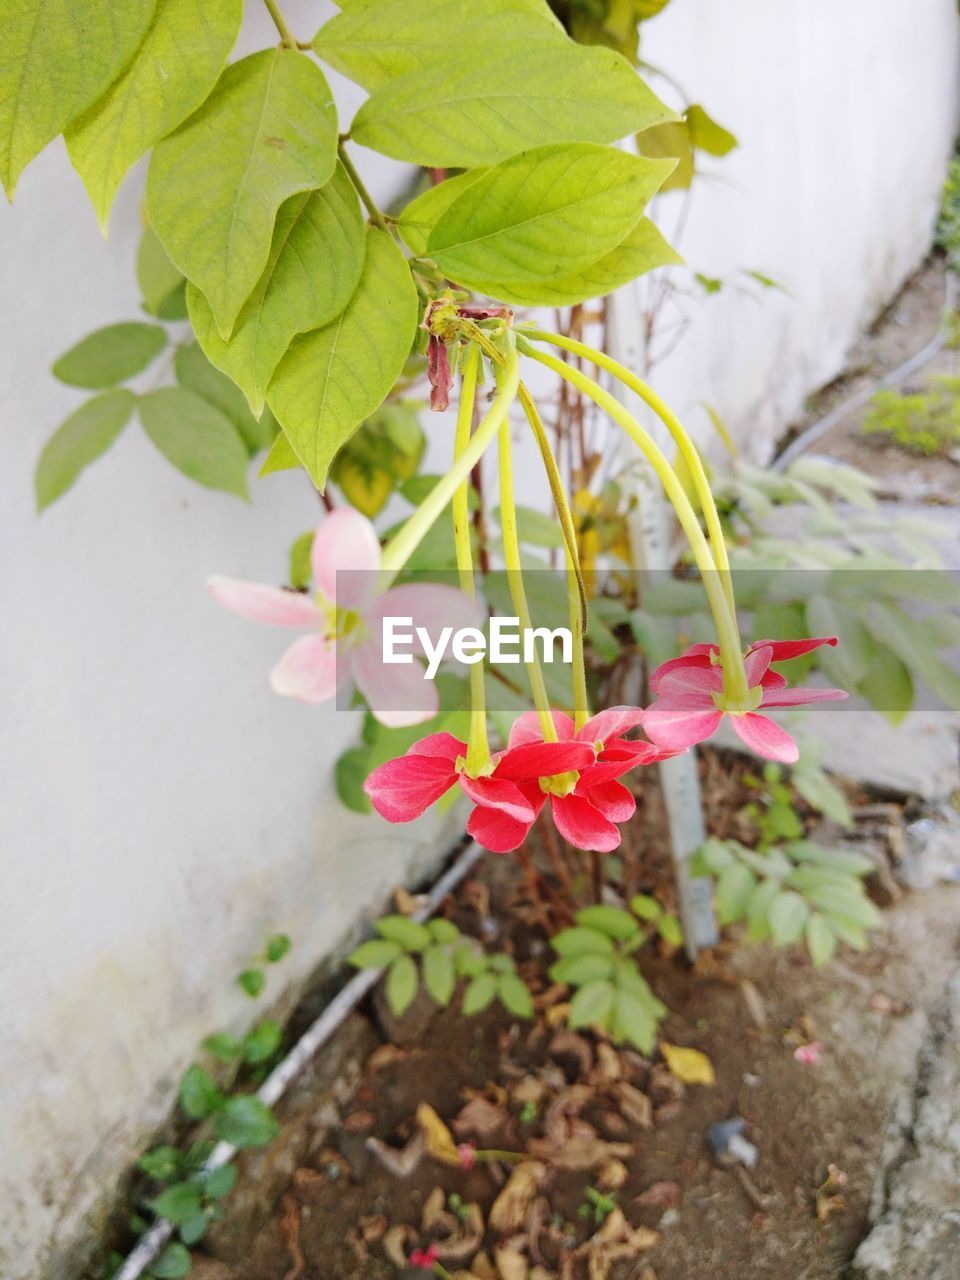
{"points": [[587, 802], [404, 788], [425, 1259], [808, 1054], [690, 703], [343, 623], [467, 1153]]}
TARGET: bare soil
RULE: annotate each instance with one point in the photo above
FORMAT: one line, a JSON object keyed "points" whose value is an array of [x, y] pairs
{"points": [[343, 1208]]}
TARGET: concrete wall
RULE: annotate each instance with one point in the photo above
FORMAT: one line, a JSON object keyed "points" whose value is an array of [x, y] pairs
{"points": [[162, 811]]}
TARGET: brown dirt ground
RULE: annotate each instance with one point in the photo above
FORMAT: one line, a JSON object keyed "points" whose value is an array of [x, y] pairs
{"points": [[746, 1008]]}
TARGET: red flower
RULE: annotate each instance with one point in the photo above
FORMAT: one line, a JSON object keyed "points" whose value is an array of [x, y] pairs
{"points": [[468, 1155], [425, 1258], [586, 801], [403, 789], [690, 703]]}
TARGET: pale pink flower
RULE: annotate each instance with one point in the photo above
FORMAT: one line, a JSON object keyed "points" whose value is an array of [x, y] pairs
{"points": [[343, 622], [809, 1054]]}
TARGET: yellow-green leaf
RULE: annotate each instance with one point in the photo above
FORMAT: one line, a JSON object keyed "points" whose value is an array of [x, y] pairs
{"points": [[57, 57], [196, 438], [314, 267], [333, 378], [110, 355], [544, 214], [689, 1065], [421, 215], [643, 249], [492, 102], [85, 436], [173, 71], [268, 131]]}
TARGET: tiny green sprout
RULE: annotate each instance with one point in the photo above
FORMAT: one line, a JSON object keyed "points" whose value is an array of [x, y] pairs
{"points": [[528, 1112], [457, 1207], [597, 1205]]}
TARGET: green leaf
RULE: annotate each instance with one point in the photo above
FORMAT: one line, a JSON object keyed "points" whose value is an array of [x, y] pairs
{"points": [[194, 1228], [111, 355], [196, 373], [670, 930], [821, 940], [375, 954], [822, 794], [888, 684], [268, 130], [277, 948], [332, 379], [581, 941], [706, 135], [479, 994], [85, 436], [613, 921], [410, 934], [641, 250], [543, 214], [221, 1181], [262, 1042], [224, 1047], [491, 103], [174, 1262], [847, 930], [438, 973], [401, 985], [647, 908], [314, 267], [515, 995], [735, 884], [787, 916], [173, 71], [162, 1163], [634, 1020], [758, 910], [178, 1203], [857, 864], [351, 771], [251, 982], [592, 1004], [469, 960], [377, 42], [246, 1122], [58, 57], [196, 438], [444, 931], [199, 1096], [160, 282], [422, 214]]}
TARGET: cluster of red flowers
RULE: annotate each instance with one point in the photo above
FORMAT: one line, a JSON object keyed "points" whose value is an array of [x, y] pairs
{"points": [[579, 773]]}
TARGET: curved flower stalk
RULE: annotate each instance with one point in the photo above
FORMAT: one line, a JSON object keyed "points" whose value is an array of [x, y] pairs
{"points": [[343, 623], [689, 705]]}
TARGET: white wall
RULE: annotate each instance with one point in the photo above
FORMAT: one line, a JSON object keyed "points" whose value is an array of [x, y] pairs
{"points": [[846, 111], [162, 811]]}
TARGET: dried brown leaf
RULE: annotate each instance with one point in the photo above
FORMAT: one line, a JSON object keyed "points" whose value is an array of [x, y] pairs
{"points": [[400, 1162], [395, 1243], [480, 1119], [634, 1105], [509, 1212]]}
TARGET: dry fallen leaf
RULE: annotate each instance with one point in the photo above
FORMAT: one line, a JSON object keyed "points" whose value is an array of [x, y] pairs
{"points": [[511, 1264], [439, 1139], [400, 1162], [659, 1195], [435, 1212], [580, 1151], [611, 1175], [689, 1065], [395, 1243], [480, 1119], [635, 1106], [556, 1015], [609, 1066], [510, 1209], [568, 1046]]}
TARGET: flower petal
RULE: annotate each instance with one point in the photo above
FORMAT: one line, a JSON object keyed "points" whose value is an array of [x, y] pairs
{"points": [[702, 681], [403, 789], [308, 670], [527, 728], [698, 655], [495, 793], [582, 825], [261, 603], [444, 745], [783, 650], [611, 723], [543, 759], [346, 541], [755, 664], [613, 799], [765, 738], [430, 605], [398, 695], [680, 722], [797, 697], [496, 830]]}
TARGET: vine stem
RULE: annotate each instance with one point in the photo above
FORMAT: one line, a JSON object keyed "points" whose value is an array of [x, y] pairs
{"points": [[511, 555], [688, 450], [286, 35], [376, 217], [478, 746], [724, 615], [402, 546], [576, 590]]}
